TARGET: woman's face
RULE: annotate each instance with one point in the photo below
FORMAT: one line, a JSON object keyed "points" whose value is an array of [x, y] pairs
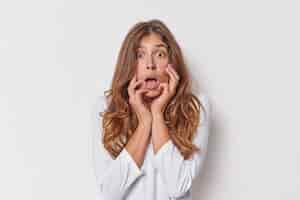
{"points": [[152, 59]]}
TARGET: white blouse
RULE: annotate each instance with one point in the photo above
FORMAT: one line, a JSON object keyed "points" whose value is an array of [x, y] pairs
{"points": [[164, 175]]}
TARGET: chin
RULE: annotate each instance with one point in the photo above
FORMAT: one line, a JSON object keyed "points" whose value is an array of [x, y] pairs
{"points": [[152, 94]]}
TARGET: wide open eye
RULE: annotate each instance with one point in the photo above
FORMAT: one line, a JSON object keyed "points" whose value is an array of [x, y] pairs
{"points": [[139, 54], [161, 54]]}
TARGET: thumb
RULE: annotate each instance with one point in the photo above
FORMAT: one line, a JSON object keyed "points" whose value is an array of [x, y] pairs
{"points": [[141, 92]]}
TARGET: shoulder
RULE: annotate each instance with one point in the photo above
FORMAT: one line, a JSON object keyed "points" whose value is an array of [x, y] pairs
{"points": [[206, 103], [101, 101], [100, 104], [204, 99]]}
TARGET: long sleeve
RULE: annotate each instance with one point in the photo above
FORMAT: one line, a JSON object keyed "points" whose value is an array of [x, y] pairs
{"points": [[114, 177], [177, 173]]}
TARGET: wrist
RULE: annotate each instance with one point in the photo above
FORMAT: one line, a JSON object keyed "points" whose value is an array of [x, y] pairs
{"points": [[158, 116], [144, 131], [145, 124]]}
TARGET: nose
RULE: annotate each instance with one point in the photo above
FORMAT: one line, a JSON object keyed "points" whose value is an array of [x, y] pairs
{"points": [[151, 66], [150, 63]]}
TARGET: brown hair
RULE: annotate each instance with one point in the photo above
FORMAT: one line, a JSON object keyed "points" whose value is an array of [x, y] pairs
{"points": [[182, 115]]}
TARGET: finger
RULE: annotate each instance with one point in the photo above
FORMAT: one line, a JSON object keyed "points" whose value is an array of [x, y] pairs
{"points": [[140, 92], [164, 87], [173, 71], [133, 86], [171, 75], [172, 80], [133, 80], [129, 89], [137, 84]]}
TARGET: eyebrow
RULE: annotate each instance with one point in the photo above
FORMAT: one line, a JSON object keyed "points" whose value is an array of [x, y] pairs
{"points": [[157, 45]]}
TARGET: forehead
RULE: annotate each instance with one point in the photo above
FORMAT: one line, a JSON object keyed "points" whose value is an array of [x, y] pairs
{"points": [[151, 41]]}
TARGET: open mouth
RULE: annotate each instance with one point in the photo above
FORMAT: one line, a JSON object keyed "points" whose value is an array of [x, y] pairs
{"points": [[151, 83]]}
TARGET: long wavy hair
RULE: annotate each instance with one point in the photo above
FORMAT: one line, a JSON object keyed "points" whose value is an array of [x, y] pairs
{"points": [[182, 114]]}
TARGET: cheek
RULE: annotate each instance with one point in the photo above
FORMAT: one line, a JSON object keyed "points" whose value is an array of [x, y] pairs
{"points": [[162, 66], [139, 71], [164, 75], [162, 62]]}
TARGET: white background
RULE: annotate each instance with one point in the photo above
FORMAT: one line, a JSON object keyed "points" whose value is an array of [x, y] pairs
{"points": [[57, 56]]}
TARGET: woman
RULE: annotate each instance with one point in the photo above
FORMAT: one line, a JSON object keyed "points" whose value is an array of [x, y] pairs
{"points": [[151, 130]]}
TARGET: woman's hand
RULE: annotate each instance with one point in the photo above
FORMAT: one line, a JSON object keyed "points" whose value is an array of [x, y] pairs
{"points": [[168, 90], [136, 91]]}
